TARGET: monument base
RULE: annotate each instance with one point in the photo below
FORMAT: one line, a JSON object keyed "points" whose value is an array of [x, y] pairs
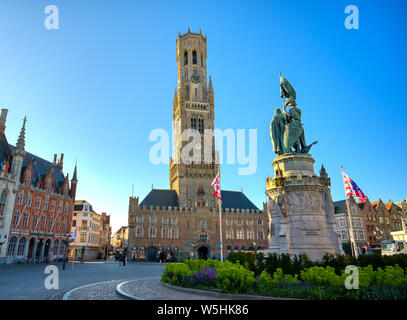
{"points": [[300, 209]]}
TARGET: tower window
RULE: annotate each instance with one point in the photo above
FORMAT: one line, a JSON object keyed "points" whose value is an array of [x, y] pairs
{"points": [[201, 60], [185, 58], [193, 123], [194, 57], [201, 125]]}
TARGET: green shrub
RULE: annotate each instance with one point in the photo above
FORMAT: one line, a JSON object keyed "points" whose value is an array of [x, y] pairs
{"points": [[234, 278], [245, 259]]}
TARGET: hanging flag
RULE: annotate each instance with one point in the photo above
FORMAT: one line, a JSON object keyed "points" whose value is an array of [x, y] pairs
{"points": [[73, 234], [107, 236], [216, 185], [352, 189]]}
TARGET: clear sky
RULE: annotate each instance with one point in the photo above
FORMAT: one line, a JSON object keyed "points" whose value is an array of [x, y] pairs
{"points": [[95, 88]]}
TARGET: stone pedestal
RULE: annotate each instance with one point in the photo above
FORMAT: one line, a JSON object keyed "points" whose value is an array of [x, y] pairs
{"points": [[300, 208]]}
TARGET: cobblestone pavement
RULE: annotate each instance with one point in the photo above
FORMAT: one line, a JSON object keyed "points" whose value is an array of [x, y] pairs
{"points": [[151, 289], [98, 291], [27, 281]]}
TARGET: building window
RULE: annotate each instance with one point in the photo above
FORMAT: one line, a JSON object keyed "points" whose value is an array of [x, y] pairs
{"points": [[152, 232], [153, 219], [35, 221], [43, 222], [83, 237], [16, 218], [174, 233], [249, 222], [186, 75], [29, 200], [60, 206], [344, 235], [165, 220], [201, 60], [3, 198], [139, 231], [21, 246], [66, 208], [64, 226], [26, 219], [203, 235], [12, 246], [73, 223], [361, 235], [239, 222], [175, 220], [84, 225], [229, 233], [259, 222], [240, 233], [260, 234], [27, 180], [59, 225], [185, 58], [53, 203], [200, 125], [165, 232], [139, 219], [20, 197], [194, 57], [250, 234], [193, 123], [360, 223], [46, 205], [51, 223]]}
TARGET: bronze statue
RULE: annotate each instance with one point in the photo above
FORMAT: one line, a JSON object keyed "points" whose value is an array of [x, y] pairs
{"points": [[286, 129]]}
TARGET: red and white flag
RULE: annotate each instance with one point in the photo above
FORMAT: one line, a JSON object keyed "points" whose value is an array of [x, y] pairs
{"points": [[352, 189], [216, 185]]}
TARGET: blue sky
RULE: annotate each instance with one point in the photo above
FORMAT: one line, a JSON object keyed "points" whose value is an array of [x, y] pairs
{"points": [[95, 88]]}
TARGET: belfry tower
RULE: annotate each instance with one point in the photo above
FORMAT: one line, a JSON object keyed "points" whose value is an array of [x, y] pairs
{"points": [[193, 109]]}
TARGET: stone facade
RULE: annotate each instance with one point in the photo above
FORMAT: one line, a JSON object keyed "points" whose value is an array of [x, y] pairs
{"points": [[300, 208], [184, 221], [389, 216]]}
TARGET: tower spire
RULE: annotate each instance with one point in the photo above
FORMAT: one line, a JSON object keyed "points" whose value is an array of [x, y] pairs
{"points": [[210, 85], [21, 138]]}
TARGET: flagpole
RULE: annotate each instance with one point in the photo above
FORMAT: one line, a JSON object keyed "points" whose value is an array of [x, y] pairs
{"points": [[350, 227], [220, 225]]}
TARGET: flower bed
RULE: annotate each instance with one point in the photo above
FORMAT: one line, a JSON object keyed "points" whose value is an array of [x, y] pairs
{"points": [[312, 283]]}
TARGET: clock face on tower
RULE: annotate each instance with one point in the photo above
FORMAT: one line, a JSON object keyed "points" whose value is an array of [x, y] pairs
{"points": [[195, 78]]}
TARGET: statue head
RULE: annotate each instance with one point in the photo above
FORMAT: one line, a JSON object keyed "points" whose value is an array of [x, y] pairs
{"points": [[277, 111]]}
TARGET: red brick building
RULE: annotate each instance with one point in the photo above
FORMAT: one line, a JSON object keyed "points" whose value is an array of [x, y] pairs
{"points": [[43, 207]]}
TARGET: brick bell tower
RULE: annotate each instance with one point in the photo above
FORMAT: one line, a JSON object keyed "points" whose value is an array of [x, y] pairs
{"points": [[193, 109]]}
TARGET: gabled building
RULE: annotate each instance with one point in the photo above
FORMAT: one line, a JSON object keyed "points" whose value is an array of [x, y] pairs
{"points": [[42, 209], [373, 233], [358, 225]]}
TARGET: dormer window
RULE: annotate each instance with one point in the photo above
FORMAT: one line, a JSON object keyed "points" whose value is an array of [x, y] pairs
{"points": [[27, 180]]}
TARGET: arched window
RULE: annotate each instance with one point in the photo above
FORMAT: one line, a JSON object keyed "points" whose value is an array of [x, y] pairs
{"points": [[201, 125], [229, 233], [193, 123], [20, 197], [174, 232], [185, 58], [260, 234], [3, 199], [250, 234], [139, 231], [165, 232], [152, 232], [240, 233], [56, 245], [26, 219], [21, 246], [11, 247], [194, 57]]}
